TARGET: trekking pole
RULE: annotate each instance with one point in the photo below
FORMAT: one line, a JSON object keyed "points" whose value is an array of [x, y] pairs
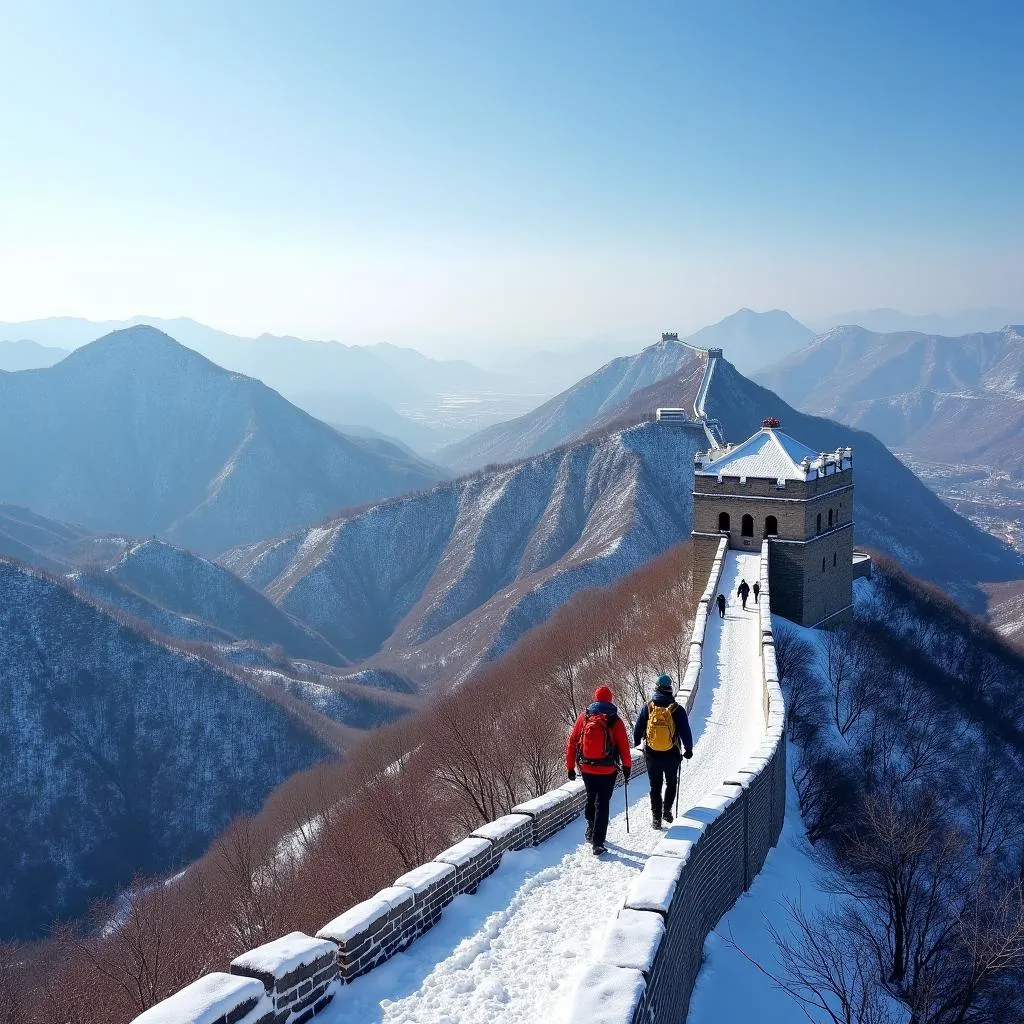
{"points": [[625, 786], [679, 776]]}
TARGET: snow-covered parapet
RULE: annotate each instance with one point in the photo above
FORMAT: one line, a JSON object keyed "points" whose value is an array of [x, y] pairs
{"points": [[299, 973], [214, 999], [653, 948], [691, 675], [368, 934]]}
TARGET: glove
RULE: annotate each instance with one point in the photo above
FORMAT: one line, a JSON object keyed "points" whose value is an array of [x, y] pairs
{"points": [[687, 754], [572, 775], [626, 772]]}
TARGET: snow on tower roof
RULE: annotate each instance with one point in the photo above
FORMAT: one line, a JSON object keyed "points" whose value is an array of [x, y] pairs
{"points": [[772, 455]]}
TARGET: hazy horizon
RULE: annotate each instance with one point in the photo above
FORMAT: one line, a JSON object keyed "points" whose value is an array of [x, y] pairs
{"points": [[500, 176]]}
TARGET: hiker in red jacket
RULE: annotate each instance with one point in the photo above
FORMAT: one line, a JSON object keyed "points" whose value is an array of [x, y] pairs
{"points": [[598, 744]]}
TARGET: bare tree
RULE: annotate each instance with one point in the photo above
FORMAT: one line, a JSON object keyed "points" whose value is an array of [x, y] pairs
{"points": [[829, 977]]}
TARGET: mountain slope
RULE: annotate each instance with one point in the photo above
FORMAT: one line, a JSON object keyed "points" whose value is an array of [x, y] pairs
{"points": [[188, 585], [121, 754], [137, 434], [751, 340], [938, 398], [894, 510], [576, 410], [27, 355], [322, 377], [430, 585], [52, 544], [370, 414], [893, 321]]}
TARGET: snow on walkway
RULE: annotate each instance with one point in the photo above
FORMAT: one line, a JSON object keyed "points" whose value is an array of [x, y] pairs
{"points": [[513, 952]]}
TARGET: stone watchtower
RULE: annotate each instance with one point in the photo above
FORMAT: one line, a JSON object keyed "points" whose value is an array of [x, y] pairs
{"points": [[773, 487]]}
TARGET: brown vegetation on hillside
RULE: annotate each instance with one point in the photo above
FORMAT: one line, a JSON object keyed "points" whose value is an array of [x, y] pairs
{"points": [[335, 834]]}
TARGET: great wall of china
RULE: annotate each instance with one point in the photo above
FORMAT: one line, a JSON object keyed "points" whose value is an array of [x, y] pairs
{"points": [[698, 870], [644, 968]]}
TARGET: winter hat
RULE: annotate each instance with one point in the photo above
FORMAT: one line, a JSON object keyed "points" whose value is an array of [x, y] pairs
{"points": [[664, 683], [603, 693]]}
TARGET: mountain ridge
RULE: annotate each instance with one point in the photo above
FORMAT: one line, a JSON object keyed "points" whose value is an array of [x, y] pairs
{"points": [[574, 411], [939, 398], [496, 552], [122, 753], [90, 443]]}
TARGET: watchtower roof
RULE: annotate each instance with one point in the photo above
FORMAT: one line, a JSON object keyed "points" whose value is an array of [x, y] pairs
{"points": [[772, 455]]}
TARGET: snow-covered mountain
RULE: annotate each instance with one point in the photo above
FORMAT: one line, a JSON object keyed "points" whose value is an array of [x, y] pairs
{"points": [[1006, 610], [498, 551], [52, 544], [137, 434], [938, 398], [432, 584], [581, 407], [895, 511], [175, 592], [121, 754], [193, 588], [27, 355]]}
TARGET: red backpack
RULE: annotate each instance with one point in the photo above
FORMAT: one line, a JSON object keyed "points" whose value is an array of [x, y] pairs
{"points": [[596, 749]]}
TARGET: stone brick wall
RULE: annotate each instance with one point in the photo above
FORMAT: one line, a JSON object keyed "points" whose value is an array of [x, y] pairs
{"points": [[814, 580], [691, 676], [805, 592], [654, 947], [216, 998], [291, 979], [861, 565], [298, 974]]}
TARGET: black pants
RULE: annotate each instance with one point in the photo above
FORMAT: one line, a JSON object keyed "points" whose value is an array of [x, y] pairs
{"points": [[599, 798], [662, 771]]}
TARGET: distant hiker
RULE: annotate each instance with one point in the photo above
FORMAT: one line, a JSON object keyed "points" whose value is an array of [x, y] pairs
{"points": [[598, 744], [665, 731], [743, 592], [721, 606], [757, 592]]}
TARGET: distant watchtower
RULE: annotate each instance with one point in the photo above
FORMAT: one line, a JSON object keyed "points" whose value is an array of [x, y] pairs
{"points": [[772, 486]]}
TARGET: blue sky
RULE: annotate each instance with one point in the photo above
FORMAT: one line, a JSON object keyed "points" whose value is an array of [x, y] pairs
{"points": [[437, 172]]}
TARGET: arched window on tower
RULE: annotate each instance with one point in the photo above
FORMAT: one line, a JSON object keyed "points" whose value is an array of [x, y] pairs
{"points": [[830, 519], [748, 526], [723, 522], [771, 526], [818, 527]]}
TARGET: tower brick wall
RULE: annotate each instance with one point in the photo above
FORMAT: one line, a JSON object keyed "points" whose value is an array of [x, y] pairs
{"points": [[812, 543]]}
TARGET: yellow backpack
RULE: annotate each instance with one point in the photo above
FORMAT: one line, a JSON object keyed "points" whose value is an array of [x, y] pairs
{"points": [[661, 727]]}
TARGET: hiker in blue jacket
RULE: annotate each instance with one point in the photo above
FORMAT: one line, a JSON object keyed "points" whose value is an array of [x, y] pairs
{"points": [[664, 729]]}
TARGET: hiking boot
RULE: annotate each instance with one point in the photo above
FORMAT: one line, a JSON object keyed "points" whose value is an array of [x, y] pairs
{"points": [[590, 831], [667, 815], [656, 822], [598, 850]]}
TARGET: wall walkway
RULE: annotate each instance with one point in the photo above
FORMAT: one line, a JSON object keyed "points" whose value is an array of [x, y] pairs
{"points": [[653, 949], [673, 897]]}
